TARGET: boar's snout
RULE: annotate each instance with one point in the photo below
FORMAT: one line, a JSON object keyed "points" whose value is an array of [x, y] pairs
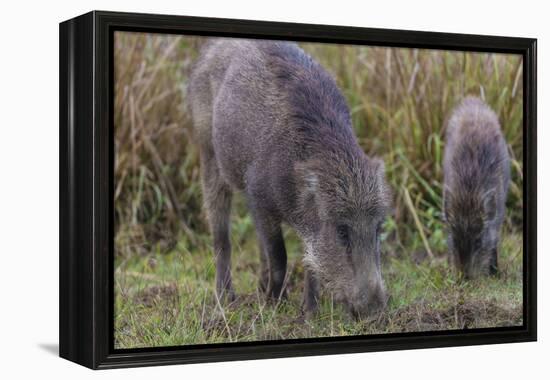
{"points": [[480, 264], [369, 301]]}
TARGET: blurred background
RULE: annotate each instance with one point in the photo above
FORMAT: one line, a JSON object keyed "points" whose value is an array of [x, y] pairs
{"points": [[399, 101]]}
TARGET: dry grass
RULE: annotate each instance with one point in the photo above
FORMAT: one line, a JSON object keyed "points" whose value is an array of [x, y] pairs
{"points": [[399, 99]]}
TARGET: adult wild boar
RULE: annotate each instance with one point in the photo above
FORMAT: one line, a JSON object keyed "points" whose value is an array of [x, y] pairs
{"points": [[271, 123], [477, 174]]}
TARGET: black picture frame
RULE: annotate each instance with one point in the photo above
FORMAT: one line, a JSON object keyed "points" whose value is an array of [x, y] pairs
{"points": [[86, 188]]}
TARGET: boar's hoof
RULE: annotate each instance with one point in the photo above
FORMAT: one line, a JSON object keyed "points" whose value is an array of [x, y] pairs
{"points": [[309, 312], [276, 294], [226, 296], [264, 282]]}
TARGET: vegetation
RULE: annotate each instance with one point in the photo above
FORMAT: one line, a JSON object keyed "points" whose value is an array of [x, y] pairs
{"points": [[399, 99]]}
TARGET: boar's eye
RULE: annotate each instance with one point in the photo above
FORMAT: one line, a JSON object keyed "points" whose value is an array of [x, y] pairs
{"points": [[343, 234]]}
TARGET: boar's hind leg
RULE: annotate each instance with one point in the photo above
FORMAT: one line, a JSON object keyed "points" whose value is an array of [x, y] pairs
{"points": [[272, 246], [217, 200]]}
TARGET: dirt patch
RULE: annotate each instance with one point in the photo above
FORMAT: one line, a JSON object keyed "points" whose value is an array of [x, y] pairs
{"points": [[464, 315], [155, 294]]}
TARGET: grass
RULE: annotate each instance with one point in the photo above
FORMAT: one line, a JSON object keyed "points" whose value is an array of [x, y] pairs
{"points": [[399, 100], [168, 299]]}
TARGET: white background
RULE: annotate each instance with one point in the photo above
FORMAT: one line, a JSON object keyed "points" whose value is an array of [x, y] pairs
{"points": [[29, 191]]}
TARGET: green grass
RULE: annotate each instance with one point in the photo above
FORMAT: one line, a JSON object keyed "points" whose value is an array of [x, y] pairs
{"points": [[166, 299], [399, 101]]}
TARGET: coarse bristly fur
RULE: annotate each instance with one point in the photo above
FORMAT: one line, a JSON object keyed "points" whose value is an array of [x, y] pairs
{"points": [[477, 175], [272, 124]]}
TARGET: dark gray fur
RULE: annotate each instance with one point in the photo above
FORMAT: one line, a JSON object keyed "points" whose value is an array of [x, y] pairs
{"points": [[272, 124], [477, 176]]}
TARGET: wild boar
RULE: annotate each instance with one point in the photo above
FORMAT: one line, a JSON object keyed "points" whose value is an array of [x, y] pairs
{"points": [[272, 124], [476, 178]]}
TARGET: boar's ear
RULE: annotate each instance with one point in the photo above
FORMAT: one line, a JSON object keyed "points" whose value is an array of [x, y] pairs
{"points": [[307, 189], [490, 204], [311, 180], [380, 170], [379, 167], [445, 201], [307, 177]]}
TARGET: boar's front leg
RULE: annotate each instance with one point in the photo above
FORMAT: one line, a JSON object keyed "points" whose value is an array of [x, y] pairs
{"points": [[272, 247], [493, 264], [311, 294], [217, 200], [264, 271]]}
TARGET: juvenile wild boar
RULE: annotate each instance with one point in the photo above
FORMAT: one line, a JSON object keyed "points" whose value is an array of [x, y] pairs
{"points": [[272, 124], [477, 174]]}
